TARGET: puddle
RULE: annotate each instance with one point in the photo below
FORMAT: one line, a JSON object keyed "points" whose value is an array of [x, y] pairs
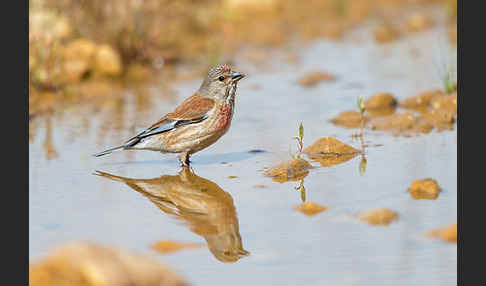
{"points": [[251, 220], [200, 204]]}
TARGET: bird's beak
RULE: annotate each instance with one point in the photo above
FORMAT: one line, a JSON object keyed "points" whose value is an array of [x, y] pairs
{"points": [[236, 76]]}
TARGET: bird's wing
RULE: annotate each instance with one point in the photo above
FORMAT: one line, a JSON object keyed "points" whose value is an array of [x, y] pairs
{"points": [[192, 110]]}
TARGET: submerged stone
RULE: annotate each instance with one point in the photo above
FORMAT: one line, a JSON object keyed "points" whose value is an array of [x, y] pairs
{"points": [[422, 100], [446, 102], [259, 186], [397, 122], [349, 119], [421, 127], [329, 151], [378, 216], [313, 78], [447, 233], [424, 189], [330, 146], [310, 208], [293, 170], [439, 118]]}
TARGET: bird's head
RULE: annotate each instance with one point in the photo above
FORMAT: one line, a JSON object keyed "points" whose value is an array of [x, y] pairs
{"points": [[220, 82], [226, 246]]}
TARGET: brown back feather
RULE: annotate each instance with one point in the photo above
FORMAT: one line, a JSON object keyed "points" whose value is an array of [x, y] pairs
{"points": [[193, 107]]}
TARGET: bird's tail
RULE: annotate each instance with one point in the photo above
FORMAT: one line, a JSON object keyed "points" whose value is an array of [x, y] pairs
{"points": [[130, 143], [106, 152], [110, 176]]}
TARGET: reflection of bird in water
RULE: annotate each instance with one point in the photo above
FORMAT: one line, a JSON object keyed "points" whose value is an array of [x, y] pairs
{"points": [[201, 204]]}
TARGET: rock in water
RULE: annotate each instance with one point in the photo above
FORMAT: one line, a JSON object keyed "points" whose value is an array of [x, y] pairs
{"points": [[89, 264]]}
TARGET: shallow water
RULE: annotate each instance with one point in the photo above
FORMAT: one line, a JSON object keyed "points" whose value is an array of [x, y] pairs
{"points": [[68, 202]]}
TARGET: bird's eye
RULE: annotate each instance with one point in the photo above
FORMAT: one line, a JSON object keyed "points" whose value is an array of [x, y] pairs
{"points": [[221, 78]]}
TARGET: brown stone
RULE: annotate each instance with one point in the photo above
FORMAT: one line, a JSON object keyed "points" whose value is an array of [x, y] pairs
{"points": [[310, 208], [80, 49], [422, 100], [448, 233], [313, 78], [439, 118], [259, 186], [329, 152], [293, 170], [380, 112], [89, 264], [380, 100], [330, 146], [422, 127], [418, 22], [385, 33], [107, 61], [348, 119], [74, 70], [447, 102], [378, 216], [424, 189], [397, 122]]}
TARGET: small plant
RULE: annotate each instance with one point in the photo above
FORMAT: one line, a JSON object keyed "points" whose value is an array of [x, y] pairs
{"points": [[361, 108], [301, 188], [300, 140], [362, 165], [449, 85]]}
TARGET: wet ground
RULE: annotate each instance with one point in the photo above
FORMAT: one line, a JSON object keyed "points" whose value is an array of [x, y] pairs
{"points": [[67, 201]]}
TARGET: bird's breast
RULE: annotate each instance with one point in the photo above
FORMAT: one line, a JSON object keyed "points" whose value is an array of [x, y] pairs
{"points": [[224, 117]]}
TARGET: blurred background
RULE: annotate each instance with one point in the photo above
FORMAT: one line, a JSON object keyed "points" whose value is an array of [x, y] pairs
{"points": [[101, 71], [81, 48]]}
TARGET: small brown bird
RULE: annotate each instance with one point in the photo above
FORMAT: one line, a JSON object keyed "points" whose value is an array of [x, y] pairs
{"points": [[196, 123], [206, 209]]}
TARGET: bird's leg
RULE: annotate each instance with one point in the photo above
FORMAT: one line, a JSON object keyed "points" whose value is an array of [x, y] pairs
{"points": [[184, 158]]}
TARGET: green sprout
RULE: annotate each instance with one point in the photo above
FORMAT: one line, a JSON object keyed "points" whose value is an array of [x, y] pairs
{"points": [[362, 109], [300, 139], [449, 85], [360, 103], [362, 165], [301, 188]]}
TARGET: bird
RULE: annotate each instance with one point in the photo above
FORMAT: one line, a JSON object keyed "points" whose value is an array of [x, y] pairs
{"points": [[205, 208], [198, 122]]}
